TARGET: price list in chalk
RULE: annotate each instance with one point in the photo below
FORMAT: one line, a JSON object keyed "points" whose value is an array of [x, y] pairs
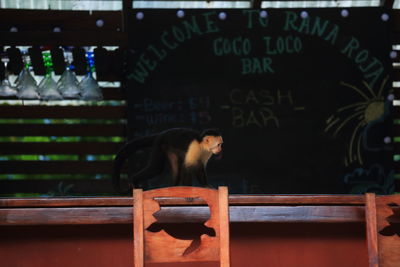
{"points": [[192, 110]]}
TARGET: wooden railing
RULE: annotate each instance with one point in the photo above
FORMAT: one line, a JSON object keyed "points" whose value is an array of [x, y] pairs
{"points": [[243, 208], [379, 214]]}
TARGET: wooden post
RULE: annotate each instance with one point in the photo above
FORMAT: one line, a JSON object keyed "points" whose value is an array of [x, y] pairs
{"points": [[224, 226], [372, 231], [126, 7], [138, 247]]}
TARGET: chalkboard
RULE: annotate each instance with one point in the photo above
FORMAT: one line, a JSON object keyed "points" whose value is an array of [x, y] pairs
{"points": [[302, 97]]}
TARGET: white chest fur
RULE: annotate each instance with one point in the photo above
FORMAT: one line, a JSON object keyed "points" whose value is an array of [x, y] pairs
{"points": [[195, 154]]}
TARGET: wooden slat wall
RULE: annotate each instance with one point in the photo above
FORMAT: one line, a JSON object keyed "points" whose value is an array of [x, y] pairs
{"points": [[89, 170], [78, 172]]}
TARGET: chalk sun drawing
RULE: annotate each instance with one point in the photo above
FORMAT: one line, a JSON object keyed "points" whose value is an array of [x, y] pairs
{"points": [[369, 109]]}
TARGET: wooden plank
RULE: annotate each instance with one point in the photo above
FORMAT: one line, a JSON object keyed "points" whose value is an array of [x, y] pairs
{"points": [[396, 74], [295, 214], [396, 167], [62, 216], [46, 186], [63, 148], [387, 3], [124, 215], [396, 112], [62, 130], [67, 20], [396, 145], [78, 28], [223, 206], [126, 8], [113, 93], [53, 202], [138, 219], [109, 93], [56, 167], [395, 37], [60, 112], [372, 232], [247, 200], [156, 242], [297, 199], [395, 20], [73, 38], [387, 224], [396, 132]]}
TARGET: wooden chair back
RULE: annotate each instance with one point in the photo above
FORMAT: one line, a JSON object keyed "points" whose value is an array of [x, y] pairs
{"points": [[159, 246], [383, 230]]}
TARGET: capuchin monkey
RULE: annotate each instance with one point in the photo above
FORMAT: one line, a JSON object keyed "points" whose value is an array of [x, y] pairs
{"points": [[186, 152]]}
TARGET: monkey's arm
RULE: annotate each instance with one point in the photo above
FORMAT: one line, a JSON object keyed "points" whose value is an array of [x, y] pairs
{"points": [[201, 176]]}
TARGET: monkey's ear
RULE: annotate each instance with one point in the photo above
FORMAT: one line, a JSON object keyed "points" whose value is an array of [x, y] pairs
{"points": [[206, 139]]}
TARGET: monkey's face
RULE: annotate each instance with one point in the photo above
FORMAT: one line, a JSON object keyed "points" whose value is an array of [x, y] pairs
{"points": [[213, 144]]}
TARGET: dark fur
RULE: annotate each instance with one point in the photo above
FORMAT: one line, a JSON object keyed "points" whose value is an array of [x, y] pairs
{"points": [[174, 141]]}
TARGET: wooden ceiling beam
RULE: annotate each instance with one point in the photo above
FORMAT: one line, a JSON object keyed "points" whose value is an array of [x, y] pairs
{"points": [[387, 3], [256, 4]]}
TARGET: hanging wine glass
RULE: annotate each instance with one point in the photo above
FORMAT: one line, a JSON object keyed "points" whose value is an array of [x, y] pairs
{"points": [[90, 88], [26, 84], [63, 77], [68, 87], [48, 88], [68, 83], [5, 88], [27, 88]]}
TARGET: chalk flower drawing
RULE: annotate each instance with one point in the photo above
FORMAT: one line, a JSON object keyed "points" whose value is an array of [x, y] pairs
{"points": [[361, 114]]}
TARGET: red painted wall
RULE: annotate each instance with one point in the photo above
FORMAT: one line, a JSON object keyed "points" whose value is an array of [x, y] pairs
{"points": [[252, 244]]}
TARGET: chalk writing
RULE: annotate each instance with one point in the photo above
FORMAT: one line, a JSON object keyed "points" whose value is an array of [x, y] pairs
{"points": [[237, 46], [314, 26], [256, 65], [161, 118], [260, 117], [369, 65], [260, 97], [254, 18], [282, 45], [244, 47], [190, 110], [171, 39], [151, 105], [255, 107]]}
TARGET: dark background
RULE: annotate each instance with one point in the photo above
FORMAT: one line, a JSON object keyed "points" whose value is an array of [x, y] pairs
{"points": [[274, 125]]}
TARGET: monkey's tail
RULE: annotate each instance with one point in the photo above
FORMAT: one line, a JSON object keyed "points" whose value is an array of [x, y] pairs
{"points": [[123, 154]]}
